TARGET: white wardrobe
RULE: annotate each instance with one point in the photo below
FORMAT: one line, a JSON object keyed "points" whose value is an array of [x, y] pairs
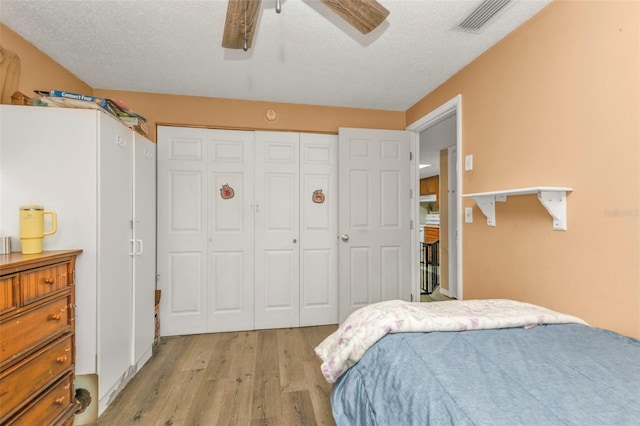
{"points": [[100, 178], [247, 230]]}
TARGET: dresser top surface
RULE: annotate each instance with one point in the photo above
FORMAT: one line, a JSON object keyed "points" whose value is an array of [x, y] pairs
{"points": [[13, 261]]}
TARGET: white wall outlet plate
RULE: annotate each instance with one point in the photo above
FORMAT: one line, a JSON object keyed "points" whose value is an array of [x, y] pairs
{"points": [[468, 162], [468, 214]]}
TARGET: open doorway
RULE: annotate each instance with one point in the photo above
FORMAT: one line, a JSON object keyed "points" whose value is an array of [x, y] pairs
{"points": [[437, 141]]}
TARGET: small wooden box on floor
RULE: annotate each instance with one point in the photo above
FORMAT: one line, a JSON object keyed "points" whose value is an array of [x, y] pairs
{"points": [[37, 345]]}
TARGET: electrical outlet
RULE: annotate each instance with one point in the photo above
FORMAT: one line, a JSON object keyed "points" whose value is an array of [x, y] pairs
{"points": [[468, 214], [468, 162]]}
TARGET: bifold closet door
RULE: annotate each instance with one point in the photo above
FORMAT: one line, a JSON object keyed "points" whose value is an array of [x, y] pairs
{"points": [[230, 224], [318, 229], [296, 280], [205, 230], [277, 235], [247, 230]]}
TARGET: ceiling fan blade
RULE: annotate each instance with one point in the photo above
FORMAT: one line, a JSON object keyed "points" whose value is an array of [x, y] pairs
{"points": [[235, 30], [364, 15]]}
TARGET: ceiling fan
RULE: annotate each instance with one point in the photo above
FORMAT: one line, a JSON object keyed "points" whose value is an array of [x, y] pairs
{"points": [[239, 27]]}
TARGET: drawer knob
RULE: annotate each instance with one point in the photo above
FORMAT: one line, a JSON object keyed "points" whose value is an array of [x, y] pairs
{"points": [[61, 359], [60, 400], [55, 317], [50, 281]]}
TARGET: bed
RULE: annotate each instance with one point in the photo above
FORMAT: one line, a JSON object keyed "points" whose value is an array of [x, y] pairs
{"points": [[490, 362]]}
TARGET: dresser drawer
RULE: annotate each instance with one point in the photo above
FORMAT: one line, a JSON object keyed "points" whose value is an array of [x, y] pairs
{"points": [[8, 297], [27, 378], [40, 282], [52, 405], [29, 329]]}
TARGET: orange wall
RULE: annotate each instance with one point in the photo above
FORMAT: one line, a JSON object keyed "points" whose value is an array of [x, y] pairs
{"points": [[556, 103], [239, 114]]}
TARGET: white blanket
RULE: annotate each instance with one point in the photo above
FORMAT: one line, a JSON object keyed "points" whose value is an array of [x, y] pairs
{"points": [[367, 325]]}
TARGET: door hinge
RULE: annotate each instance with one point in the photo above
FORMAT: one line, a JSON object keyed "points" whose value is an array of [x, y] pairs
{"points": [[410, 156], [411, 224], [411, 297], [411, 194]]}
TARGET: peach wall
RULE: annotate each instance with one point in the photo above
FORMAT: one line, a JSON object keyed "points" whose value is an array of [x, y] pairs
{"points": [[556, 103], [37, 70], [240, 114]]}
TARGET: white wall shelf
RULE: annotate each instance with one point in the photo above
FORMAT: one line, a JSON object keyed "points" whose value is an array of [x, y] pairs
{"points": [[553, 198]]}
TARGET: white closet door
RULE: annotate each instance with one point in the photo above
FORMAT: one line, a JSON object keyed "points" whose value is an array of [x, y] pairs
{"points": [[318, 229], [114, 264], [230, 175], [277, 281], [144, 234], [182, 230]]}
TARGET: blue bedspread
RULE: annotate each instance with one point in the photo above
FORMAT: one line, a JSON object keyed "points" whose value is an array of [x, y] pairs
{"points": [[547, 375]]}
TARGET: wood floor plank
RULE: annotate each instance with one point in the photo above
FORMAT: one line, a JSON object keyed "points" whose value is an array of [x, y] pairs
{"points": [[297, 409], [178, 401], [239, 391], [319, 391], [198, 354], [266, 407], [292, 352]]}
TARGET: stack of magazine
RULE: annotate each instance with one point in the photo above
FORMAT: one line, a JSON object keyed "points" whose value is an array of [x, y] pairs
{"points": [[114, 107]]}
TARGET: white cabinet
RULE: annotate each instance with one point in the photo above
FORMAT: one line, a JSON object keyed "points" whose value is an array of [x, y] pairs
{"points": [[99, 177]]}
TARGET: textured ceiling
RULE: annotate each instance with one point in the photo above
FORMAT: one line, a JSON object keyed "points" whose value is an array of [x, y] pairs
{"points": [[306, 54]]}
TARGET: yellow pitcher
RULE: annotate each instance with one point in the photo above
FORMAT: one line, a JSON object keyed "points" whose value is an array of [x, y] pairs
{"points": [[32, 227]]}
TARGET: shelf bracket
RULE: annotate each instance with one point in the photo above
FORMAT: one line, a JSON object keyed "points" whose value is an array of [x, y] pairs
{"points": [[487, 204], [556, 204]]}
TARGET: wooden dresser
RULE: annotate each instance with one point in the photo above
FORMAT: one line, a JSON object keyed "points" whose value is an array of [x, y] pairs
{"points": [[37, 344]]}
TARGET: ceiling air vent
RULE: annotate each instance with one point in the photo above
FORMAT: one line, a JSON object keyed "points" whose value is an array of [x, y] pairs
{"points": [[487, 10]]}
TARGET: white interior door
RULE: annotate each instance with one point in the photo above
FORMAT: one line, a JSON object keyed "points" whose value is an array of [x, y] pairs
{"points": [[144, 234], [115, 209], [182, 230], [318, 229], [374, 217], [230, 277], [277, 269]]}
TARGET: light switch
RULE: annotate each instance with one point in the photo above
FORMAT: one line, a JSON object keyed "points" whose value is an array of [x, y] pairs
{"points": [[468, 162], [468, 214]]}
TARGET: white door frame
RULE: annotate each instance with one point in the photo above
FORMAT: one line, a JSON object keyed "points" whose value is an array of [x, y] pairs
{"points": [[453, 105]]}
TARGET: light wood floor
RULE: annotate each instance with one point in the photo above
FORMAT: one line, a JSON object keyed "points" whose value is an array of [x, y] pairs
{"points": [[265, 377]]}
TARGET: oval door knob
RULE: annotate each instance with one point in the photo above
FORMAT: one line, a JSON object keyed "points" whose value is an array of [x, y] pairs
{"points": [[344, 237]]}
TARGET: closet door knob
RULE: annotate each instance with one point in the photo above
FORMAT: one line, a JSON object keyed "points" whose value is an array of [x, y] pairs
{"points": [[344, 237]]}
